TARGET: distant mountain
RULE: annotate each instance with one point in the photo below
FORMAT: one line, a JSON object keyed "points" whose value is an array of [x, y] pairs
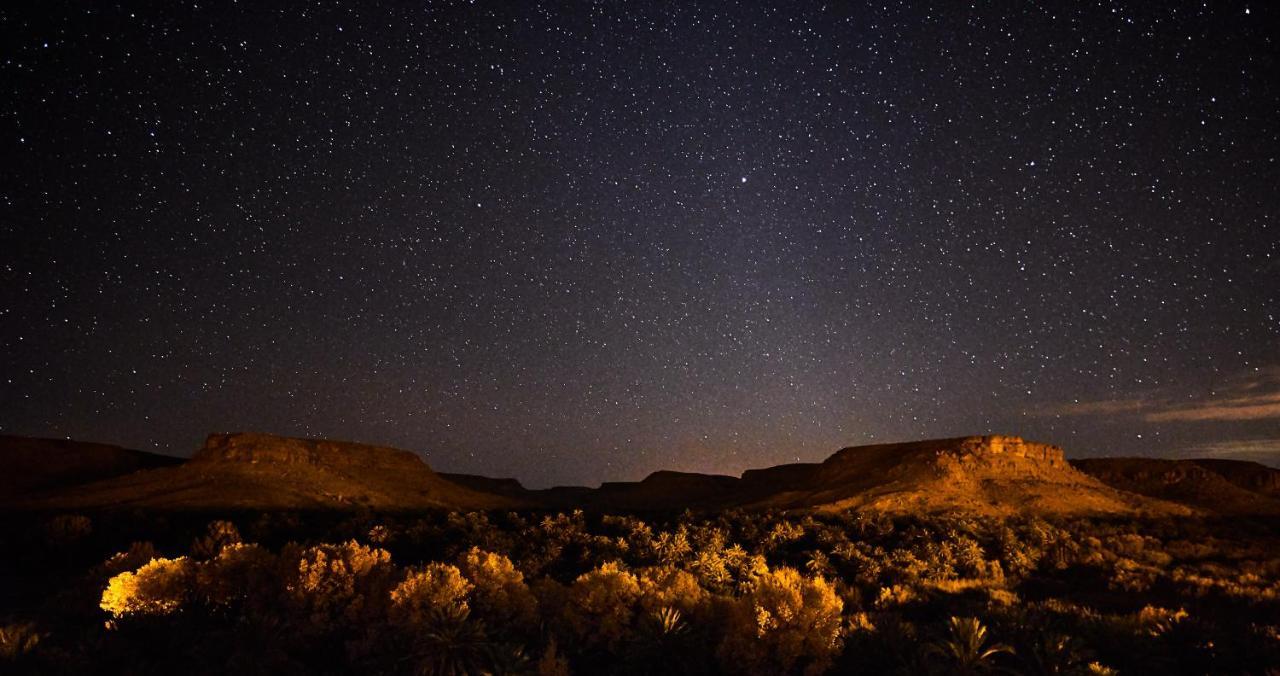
{"points": [[991, 475], [28, 465], [1248, 475], [996, 475], [263, 471], [1211, 485]]}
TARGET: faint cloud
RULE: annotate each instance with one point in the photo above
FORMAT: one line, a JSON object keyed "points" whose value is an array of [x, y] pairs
{"points": [[1258, 407], [1254, 395], [1265, 451]]}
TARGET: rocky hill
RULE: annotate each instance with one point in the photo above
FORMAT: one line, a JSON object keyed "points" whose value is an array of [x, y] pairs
{"points": [[1250, 476], [262, 471], [1213, 486], [995, 475]]}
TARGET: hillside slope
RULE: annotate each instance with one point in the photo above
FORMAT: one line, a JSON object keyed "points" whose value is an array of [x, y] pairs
{"points": [[263, 472], [992, 475], [1214, 486], [31, 465]]}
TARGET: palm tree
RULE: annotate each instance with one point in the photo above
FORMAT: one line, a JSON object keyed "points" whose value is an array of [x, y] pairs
{"points": [[965, 650]]}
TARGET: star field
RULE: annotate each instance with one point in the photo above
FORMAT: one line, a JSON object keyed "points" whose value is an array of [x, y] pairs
{"points": [[575, 242]]}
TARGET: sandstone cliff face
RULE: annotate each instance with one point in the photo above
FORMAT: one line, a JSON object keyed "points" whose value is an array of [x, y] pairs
{"points": [[1000, 445], [994, 474]]}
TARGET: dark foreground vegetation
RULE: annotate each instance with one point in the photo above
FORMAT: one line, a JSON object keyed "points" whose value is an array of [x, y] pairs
{"points": [[534, 593]]}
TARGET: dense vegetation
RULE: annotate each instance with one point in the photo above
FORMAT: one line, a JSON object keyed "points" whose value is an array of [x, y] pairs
{"points": [[738, 593]]}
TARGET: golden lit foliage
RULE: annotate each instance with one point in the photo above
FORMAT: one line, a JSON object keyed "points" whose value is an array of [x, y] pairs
{"points": [[784, 623], [602, 604], [671, 548], [500, 593], [488, 612], [344, 580], [669, 587], [159, 587], [437, 588]]}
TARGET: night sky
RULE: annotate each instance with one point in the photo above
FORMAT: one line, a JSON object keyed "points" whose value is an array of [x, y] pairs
{"points": [[576, 242]]}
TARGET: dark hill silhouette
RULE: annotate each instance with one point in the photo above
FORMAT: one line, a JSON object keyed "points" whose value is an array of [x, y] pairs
{"points": [[28, 465], [1246, 474], [1216, 486], [263, 471]]}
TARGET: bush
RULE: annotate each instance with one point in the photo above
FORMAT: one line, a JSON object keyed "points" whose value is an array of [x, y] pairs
{"points": [[160, 587], [602, 605], [437, 588], [500, 594], [344, 582], [785, 623]]}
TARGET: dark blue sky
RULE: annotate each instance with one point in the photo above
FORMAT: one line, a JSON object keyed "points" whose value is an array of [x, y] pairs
{"points": [[581, 242]]}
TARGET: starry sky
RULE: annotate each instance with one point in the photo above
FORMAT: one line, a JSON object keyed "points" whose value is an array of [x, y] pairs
{"points": [[575, 242]]}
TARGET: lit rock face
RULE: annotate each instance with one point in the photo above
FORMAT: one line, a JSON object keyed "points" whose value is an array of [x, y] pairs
{"points": [[1013, 446], [256, 448]]}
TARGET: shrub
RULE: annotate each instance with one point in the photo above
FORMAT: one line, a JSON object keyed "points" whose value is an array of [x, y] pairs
{"points": [[160, 587], [239, 573], [18, 640], [219, 534], [784, 623], [602, 605], [344, 581], [666, 587], [500, 594], [434, 589]]}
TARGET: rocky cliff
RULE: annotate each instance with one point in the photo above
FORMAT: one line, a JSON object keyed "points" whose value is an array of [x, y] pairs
{"points": [[256, 448]]}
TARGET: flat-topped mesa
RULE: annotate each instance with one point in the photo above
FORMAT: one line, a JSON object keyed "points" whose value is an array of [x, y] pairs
{"points": [[998, 444], [257, 448]]}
